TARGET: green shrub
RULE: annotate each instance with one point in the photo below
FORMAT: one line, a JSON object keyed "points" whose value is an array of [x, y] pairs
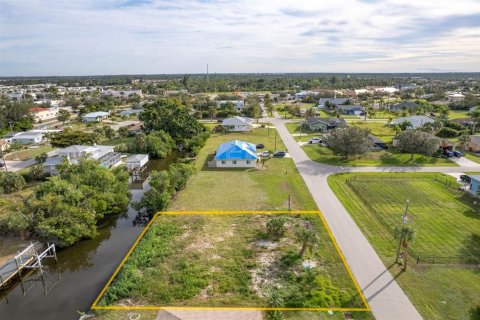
{"points": [[11, 182], [290, 258]]}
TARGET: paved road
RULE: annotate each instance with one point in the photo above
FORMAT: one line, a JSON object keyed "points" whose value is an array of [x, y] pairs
{"points": [[387, 300], [16, 165]]}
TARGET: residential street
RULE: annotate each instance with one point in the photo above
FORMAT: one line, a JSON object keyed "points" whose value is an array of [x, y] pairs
{"points": [[385, 297]]}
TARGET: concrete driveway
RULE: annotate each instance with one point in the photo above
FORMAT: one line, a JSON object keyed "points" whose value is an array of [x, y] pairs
{"points": [[14, 165]]}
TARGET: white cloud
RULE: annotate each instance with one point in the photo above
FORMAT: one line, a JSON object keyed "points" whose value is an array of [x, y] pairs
{"points": [[120, 36]]}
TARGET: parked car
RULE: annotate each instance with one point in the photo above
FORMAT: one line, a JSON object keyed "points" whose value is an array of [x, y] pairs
{"points": [[260, 146], [315, 140], [449, 154], [265, 154], [279, 154], [2, 164], [465, 178], [458, 154]]}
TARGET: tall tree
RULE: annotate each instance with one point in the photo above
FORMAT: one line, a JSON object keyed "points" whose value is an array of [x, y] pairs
{"points": [[63, 116], [349, 141]]}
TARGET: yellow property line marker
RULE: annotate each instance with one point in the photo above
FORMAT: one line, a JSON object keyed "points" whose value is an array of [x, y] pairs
{"points": [[95, 305]]}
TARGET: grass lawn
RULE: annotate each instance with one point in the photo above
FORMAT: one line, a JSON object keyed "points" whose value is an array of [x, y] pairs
{"points": [[458, 114], [245, 189], [446, 223], [300, 133], [230, 260], [472, 156], [381, 130], [117, 141], [374, 159], [28, 154]]}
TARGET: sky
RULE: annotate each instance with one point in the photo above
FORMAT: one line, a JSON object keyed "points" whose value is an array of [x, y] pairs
{"points": [[94, 37]]}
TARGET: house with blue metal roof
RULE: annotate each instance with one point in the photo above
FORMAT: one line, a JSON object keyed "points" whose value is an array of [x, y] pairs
{"points": [[235, 154]]}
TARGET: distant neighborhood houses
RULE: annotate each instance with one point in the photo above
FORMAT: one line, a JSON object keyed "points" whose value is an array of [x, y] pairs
{"points": [[416, 121], [239, 104], [95, 116], [398, 107], [42, 114], [238, 124], [324, 124], [322, 102]]}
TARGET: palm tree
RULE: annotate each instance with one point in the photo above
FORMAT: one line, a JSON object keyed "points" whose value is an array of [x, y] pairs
{"points": [[308, 238], [274, 301], [404, 234]]}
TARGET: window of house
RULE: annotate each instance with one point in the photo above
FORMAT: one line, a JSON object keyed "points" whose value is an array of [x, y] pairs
{"points": [[248, 161], [234, 162], [223, 161]]}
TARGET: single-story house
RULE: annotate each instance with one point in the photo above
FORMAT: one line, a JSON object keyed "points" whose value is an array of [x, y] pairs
{"points": [[237, 124], [239, 104], [324, 124], [42, 114], [235, 154], [377, 142], [95, 116], [136, 161], [130, 112], [474, 144], [403, 106], [474, 183], [350, 109], [416, 121], [28, 137], [76, 152], [121, 93], [51, 163], [335, 101], [455, 97]]}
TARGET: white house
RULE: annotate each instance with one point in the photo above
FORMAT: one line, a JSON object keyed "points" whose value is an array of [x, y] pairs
{"points": [[42, 114], [76, 152], [456, 97], [29, 137], [239, 104], [121, 93], [237, 124], [136, 161], [95, 116], [235, 154]]}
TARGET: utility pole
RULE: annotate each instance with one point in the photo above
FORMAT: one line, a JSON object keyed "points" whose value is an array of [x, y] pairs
{"points": [[404, 223], [289, 206], [275, 139]]}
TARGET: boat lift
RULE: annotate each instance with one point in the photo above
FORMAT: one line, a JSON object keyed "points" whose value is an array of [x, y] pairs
{"points": [[16, 270]]}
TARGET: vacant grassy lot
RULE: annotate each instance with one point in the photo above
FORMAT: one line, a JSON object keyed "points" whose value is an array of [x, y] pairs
{"points": [[267, 188], [231, 260], [117, 141], [379, 129], [458, 114], [375, 158], [446, 222], [28, 153]]}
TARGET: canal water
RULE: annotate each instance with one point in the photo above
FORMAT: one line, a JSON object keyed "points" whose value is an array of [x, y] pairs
{"points": [[83, 269]]}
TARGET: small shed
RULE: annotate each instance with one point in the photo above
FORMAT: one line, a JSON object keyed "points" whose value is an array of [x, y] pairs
{"points": [[136, 161], [377, 142]]}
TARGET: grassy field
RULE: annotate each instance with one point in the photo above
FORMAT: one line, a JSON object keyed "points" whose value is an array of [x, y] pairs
{"points": [[458, 114], [247, 189], [446, 222], [381, 130], [231, 260], [374, 159], [114, 142], [28, 153], [472, 156], [301, 133], [225, 260]]}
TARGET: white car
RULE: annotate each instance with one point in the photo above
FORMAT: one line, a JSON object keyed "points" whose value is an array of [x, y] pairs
{"points": [[265, 154], [315, 140]]}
